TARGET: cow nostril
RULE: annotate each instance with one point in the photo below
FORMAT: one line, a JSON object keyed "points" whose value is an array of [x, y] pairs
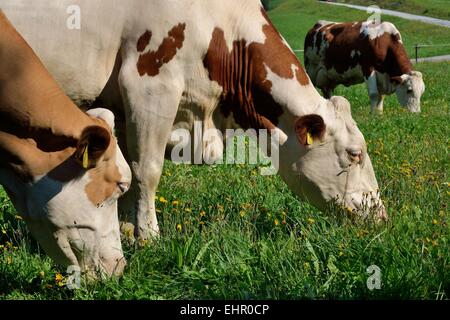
{"points": [[123, 186], [356, 155]]}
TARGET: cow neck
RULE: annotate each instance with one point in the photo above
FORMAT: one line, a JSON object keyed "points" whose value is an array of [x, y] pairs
{"points": [[397, 61], [242, 73], [32, 105], [38, 122]]}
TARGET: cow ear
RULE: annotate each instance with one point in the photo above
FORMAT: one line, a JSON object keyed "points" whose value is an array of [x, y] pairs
{"points": [[92, 146], [309, 129], [399, 79]]}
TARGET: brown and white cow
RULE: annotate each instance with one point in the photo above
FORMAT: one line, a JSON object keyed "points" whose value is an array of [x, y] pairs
{"points": [[61, 168], [166, 64], [356, 52]]}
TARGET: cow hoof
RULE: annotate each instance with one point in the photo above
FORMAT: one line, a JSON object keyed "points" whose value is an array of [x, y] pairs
{"points": [[147, 237]]}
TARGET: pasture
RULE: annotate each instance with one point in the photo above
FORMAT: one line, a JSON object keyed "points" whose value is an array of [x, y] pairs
{"points": [[229, 233], [432, 8]]}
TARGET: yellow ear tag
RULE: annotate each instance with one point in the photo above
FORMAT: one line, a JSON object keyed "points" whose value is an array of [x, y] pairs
{"points": [[309, 139], [86, 157]]}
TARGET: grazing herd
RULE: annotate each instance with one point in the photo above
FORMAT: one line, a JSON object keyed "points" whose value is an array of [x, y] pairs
{"points": [[162, 65]]}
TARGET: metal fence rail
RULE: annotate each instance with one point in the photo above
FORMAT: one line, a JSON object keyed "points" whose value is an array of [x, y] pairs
{"points": [[417, 46]]}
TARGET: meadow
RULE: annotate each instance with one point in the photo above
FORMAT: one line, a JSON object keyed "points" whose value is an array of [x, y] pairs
{"points": [[229, 233], [433, 8], [295, 17]]}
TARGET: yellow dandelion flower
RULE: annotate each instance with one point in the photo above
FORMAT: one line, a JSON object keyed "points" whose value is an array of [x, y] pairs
{"points": [[179, 227], [162, 200], [59, 277], [311, 220], [202, 214], [435, 222], [175, 202], [276, 222], [242, 214]]}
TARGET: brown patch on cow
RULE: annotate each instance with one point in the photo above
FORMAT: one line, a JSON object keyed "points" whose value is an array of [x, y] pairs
{"points": [[151, 62], [104, 177], [143, 41], [281, 62], [242, 74]]}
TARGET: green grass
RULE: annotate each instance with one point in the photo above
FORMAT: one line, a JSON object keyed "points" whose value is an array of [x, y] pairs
{"points": [[432, 8], [247, 236], [295, 17], [237, 249]]}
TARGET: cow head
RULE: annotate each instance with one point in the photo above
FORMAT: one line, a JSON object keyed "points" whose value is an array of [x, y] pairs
{"points": [[71, 209], [410, 88], [327, 160]]}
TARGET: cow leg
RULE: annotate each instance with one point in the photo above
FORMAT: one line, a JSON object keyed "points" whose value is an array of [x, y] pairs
{"points": [[150, 106], [376, 99], [379, 104]]}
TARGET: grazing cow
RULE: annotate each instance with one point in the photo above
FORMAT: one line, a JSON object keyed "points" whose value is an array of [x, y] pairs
{"points": [[351, 53], [180, 61], [61, 168]]}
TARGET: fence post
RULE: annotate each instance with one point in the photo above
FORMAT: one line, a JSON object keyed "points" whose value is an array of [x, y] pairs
{"points": [[417, 53]]}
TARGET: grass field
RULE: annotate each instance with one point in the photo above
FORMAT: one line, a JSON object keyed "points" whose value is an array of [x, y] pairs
{"points": [[295, 17], [228, 232], [432, 8]]}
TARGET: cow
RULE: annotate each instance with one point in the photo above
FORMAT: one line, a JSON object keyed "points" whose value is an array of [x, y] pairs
{"points": [[61, 167], [165, 64], [355, 52]]}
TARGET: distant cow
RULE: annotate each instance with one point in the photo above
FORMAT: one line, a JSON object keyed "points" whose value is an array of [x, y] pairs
{"points": [[61, 168], [350, 53]]}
